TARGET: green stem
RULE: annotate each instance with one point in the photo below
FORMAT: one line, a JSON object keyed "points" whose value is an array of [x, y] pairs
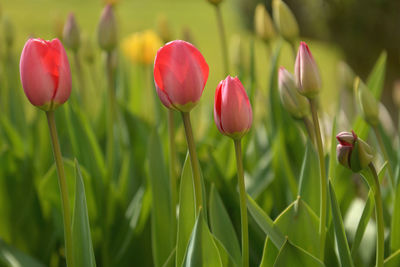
{"points": [[111, 111], [322, 207], [79, 73], [385, 154], [243, 204], [380, 246], [172, 164], [309, 128], [222, 35], [63, 187], [193, 160]]}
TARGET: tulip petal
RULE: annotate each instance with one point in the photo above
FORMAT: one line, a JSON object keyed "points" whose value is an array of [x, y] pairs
{"points": [[217, 108], [63, 89]]}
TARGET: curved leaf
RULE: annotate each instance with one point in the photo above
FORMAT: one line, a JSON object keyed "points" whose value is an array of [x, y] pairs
{"points": [[291, 255]]}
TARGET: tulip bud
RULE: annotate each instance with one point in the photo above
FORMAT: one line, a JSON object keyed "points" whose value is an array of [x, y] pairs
{"points": [[107, 29], [368, 104], [263, 24], [232, 110], [164, 29], [180, 74], [308, 80], [292, 101], [214, 2], [353, 152], [346, 76], [9, 32], [285, 21], [71, 35], [396, 93], [45, 73]]}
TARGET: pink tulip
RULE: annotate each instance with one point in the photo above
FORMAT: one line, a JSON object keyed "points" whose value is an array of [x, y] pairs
{"points": [[180, 74], [306, 71], [232, 110], [45, 73]]}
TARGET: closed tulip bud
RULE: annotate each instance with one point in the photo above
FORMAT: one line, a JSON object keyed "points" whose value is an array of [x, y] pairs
{"points": [[232, 110], [214, 2], [263, 24], [45, 73], [107, 29], [164, 29], [180, 74], [71, 34], [396, 93], [285, 21], [353, 152], [367, 102], [9, 32], [307, 76], [292, 101]]}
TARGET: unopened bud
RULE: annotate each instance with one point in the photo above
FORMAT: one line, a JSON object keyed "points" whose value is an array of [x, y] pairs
{"points": [[285, 21], [107, 29], [307, 76], [292, 101], [367, 102], [71, 34], [353, 152], [263, 24]]}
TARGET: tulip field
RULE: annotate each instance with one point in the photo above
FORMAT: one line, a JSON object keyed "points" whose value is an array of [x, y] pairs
{"points": [[126, 144]]}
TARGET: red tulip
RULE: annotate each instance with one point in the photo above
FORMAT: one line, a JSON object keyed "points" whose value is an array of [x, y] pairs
{"points": [[232, 110], [180, 74], [45, 73]]}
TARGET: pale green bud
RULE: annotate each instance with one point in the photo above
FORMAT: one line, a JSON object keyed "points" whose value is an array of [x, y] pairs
{"points": [[263, 24], [369, 106], [285, 21], [71, 34], [107, 29]]}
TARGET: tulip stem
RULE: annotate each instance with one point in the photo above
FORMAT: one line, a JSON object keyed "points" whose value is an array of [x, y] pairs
{"points": [[380, 246], [322, 220], [385, 155], [309, 128], [63, 187], [243, 205], [172, 164], [222, 35], [193, 160]]}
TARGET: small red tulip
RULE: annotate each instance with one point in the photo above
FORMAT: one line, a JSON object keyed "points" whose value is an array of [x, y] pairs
{"points": [[180, 74], [232, 110], [45, 73]]}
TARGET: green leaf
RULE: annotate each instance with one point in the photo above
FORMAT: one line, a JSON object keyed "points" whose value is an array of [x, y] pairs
{"points": [[171, 259], [202, 250], [83, 254], [393, 260], [270, 253], [161, 220], [265, 223], [291, 255], [187, 211], [12, 257], [332, 157], [376, 78], [222, 228], [343, 246], [362, 224]]}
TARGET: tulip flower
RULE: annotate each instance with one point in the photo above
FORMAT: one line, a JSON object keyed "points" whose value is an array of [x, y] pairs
{"points": [[233, 117], [285, 21], [232, 111], [263, 24], [141, 47], [180, 74], [45, 73], [107, 29], [353, 152], [306, 71], [71, 35], [292, 101]]}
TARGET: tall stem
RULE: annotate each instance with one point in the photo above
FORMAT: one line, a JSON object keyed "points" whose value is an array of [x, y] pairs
{"points": [[63, 187], [111, 115], [243, 205], [309, 128], [193, 160], [322, 206], [172, 164], [380, 242], [222, 35], [385, 155]]}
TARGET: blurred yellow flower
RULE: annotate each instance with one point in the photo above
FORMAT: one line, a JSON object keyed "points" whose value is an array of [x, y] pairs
{"points": [[141, 47]]}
